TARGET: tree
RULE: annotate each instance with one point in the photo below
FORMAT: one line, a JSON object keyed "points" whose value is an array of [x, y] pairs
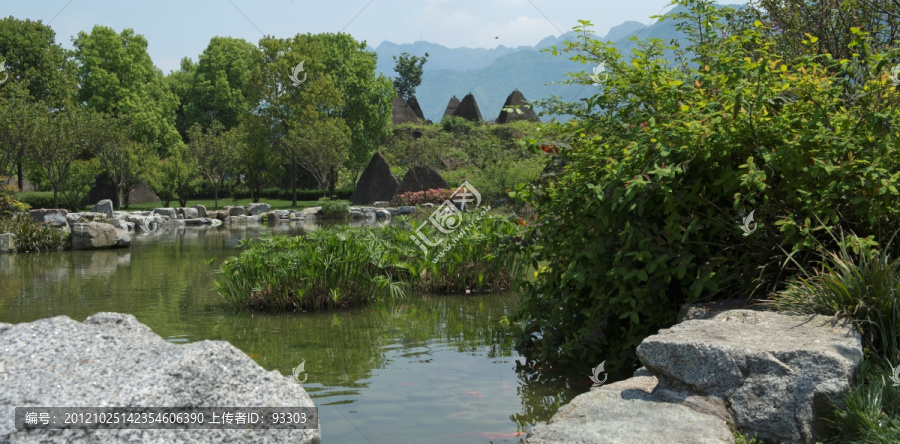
{"points": [[321, 148], [117, 77], [126, 161], [367, 95], [285, 108], [409, 71], [34, 59], [82, 177], [219, 88], [57, 140], [176, 177], [16, 121], [214, 152], [257, 161]]}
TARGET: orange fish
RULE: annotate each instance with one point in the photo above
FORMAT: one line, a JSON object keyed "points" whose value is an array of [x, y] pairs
{"points": [[476, 394], [255, 355]]}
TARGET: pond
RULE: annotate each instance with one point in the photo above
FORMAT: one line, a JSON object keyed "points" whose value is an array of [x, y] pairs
{"points": [[422, 368]]}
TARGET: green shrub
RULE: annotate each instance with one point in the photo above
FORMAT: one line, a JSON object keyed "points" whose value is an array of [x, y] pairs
{"points": [[9, 205], [667, 159], [334, 209], [32, 236], [36, 199]]}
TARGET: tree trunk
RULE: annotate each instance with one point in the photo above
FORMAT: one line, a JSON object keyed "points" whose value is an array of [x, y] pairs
{"points": [[216, 194], [55, 200], [332, 182], [293, 184], [20, 183]]}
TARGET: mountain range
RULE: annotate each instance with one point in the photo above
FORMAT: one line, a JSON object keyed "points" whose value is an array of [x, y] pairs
{"points": [[491, 74]]}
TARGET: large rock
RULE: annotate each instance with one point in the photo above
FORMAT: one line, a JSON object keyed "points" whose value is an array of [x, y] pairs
{"points": [[255, 209], [612, 416], [237, 211], [112, 360], [104, 207], [123, 238], [775, 372], [376, 183], [165, 212], [188, 213], [421, 178], [7, 243], [201, 210], [55, 217], [93, 235]]}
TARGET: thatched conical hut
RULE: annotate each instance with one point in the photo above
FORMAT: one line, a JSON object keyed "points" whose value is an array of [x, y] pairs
{"points": [[402, 113], [517, 99], [468, 109], [451, 107], [421, 178], [377, 182], [414, 105]]}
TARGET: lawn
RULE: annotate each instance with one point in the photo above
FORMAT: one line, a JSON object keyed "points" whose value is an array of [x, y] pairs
{"points": [[276, 204]]}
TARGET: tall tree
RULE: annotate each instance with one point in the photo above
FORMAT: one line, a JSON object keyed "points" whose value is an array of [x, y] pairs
{"points": [[409, 74], [126, 161], [257, 162], [286, 106], [16, 121], [57, 140], [321, 148], [176, 177], [367, 95], [220, 85], [117, 77], [215, 152]]}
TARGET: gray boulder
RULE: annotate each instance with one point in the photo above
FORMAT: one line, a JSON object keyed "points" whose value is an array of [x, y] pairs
{"points": [[93, 235], [255, 209], [237, 211], [188, 213], [104, 207], [404, 210], [627, 415], [197, 221], [201, 210], [383, 214], [7, 243], [123, 238], [776, 372], [55, 217], [381, 204], [165, 212], [112, 360]]}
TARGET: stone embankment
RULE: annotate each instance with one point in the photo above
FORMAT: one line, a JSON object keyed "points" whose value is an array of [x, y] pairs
{"points": [[754, 371], [112, 360]]}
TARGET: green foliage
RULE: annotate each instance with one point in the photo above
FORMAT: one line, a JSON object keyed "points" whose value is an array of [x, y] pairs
{"points": [[870, 412], [32, 236], [409, 74], [215, 152], [57, 141], [9, 204], [350, 266], [36, 199], [35, 63], [334, 209], [74, 194], [664, 161], [457, 125], [176, 177], [220, 84]]}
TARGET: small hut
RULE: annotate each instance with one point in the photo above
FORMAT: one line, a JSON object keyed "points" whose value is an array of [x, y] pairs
{"points": [[422, 178], [517, 100], [414, 105], [451, 107], [402, 113], [468, 109], [377, 182]]}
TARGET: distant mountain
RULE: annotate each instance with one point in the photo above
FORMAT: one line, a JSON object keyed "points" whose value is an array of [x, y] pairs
{"points": [[491, 74]]}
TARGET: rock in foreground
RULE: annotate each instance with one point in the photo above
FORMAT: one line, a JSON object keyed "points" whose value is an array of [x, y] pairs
{"points": [[113, 360]]}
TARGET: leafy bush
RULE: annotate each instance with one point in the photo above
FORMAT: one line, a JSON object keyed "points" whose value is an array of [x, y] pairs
{"points": [[32, 236], [9, 205], [435, 196], [666, 161], [36, 199], [334, 209]]}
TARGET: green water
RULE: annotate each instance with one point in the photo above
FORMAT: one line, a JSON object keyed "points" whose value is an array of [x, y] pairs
{"points": [[420, 369]]}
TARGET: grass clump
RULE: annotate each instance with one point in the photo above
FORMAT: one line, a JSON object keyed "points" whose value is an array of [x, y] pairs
{"points": [[863, 286], [33, 236], [334, 209]]}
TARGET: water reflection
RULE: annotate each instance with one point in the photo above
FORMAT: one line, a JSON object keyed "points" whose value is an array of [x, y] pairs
{"points": [[423, 368]]}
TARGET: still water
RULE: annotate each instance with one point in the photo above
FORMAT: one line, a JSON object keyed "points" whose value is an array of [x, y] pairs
{"points": [[418, 369]]}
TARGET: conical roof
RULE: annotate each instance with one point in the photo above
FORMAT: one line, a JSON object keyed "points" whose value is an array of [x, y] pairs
{"points": [[414, 105], [517, 99], [377, 182], [451, 106], [402, 113], [422, 178], [468, 109]]}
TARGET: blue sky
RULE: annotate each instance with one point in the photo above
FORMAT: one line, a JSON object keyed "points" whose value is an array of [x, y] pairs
{"points": [[176, 29]]}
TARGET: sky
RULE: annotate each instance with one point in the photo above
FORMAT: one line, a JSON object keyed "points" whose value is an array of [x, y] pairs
{"points": [[183, 28]]}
